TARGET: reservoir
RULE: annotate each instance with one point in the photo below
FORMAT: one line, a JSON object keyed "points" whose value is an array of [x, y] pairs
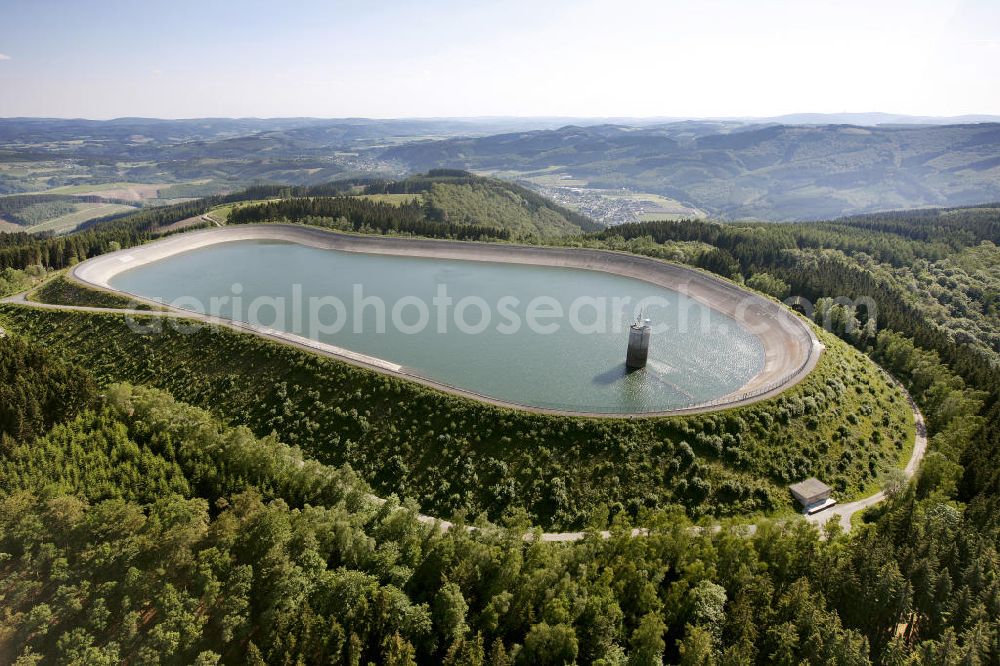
{"points": [[539, 336]]}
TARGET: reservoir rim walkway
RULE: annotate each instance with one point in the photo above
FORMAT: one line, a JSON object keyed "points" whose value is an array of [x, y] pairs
{"points": [[791, 348]]}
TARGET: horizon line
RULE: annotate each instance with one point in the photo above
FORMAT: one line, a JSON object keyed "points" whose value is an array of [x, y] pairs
{"points": [[486, 117]]}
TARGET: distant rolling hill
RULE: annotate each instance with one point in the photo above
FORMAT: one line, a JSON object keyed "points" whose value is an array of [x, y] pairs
{"points": [[462, 198], [801, 167], [214, 154], [441, 203], [774, 172], [135, 137], [876, 118]]}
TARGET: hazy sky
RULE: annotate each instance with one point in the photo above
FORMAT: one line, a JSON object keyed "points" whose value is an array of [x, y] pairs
{"points": [[333, 58]]}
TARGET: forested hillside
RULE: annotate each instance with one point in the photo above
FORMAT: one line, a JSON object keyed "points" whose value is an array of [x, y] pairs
{"points": [[347, 213], [765, 171], [933, 275], [458, 196], [791, 168], [136, 528], [142, 529], [28, 210], [459, 457], [57, 213], [452, 204]]}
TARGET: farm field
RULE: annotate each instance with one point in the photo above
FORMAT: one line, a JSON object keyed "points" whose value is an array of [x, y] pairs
{"points": [[394, 199], [83, 211], [133, 191], [549, 178]]}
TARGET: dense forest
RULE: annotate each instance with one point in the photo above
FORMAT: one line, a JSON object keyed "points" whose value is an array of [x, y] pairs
{"points": [[459, 457], [499, 202], [934, 275], [31, 209], [454, 204], [14, 280], [142, 529], [137, 527], [364, 215]]}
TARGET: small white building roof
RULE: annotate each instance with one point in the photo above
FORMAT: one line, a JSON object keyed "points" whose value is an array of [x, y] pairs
{"points": [[809, 489]]}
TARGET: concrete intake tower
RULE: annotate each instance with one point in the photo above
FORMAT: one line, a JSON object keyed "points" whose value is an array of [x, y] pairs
{"points": [[638, 345]]}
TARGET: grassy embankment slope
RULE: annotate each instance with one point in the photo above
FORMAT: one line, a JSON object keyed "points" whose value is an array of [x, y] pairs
{"points": [[844, 423], [61, 291]]}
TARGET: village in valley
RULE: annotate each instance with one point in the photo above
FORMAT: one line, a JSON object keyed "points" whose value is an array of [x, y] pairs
{"points": [[611, 207]]}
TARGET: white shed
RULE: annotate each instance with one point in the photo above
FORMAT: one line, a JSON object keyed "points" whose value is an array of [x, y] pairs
{"points": [[812, 494]]}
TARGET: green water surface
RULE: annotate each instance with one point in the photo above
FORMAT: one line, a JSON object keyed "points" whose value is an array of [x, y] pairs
{"points": [[701, 355]]}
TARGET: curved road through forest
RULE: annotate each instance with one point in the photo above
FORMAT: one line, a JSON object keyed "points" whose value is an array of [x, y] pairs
{"points": [[847, 511], [843, 512]]}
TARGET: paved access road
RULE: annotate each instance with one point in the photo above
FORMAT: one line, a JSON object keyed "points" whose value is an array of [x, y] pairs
{"points": [[844, 512], [841, 512]]}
